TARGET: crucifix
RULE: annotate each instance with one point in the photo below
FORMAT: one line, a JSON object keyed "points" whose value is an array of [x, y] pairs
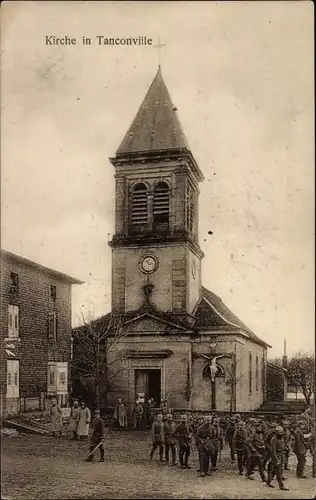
{"points": [[214, 370], [159, 46]]}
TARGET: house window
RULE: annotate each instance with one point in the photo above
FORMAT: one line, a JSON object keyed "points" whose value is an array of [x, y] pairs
{"points": [[62, 378], [161, 207], [52, 327], [13, 321], [9, 378], [53, 292], [15, 281], [139, 208], [257, 373], [250, 373]]}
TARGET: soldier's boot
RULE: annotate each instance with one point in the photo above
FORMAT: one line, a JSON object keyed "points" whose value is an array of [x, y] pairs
{"points": [[283, 488], [173, 454], [90, 457], [151, 454], [101, 456]]}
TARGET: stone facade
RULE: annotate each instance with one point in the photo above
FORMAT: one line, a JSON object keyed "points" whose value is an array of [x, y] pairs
{"points": [[182, 379], [28, 347], [170, 321]]}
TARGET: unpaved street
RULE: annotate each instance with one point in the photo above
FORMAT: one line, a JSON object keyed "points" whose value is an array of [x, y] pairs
{"points": [[41, 467]]}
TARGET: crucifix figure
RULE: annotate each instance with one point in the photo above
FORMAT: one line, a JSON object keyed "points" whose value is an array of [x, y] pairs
{"points": [[213, 365], [159, 46], [214, 370]]}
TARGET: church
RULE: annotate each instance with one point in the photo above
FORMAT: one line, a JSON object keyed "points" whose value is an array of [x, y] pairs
{"points": [[178, 340]]}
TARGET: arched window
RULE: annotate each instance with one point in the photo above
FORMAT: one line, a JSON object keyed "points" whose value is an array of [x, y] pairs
{"points": [[161, 206], [139, 209]]}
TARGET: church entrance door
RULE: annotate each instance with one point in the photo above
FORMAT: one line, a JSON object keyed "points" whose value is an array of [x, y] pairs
{"points": [[149, 383]]}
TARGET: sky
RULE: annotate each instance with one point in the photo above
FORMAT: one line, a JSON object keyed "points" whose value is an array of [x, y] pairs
{"points": [[241, 77]]}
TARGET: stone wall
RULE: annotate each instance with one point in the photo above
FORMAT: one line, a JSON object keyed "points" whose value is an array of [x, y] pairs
{"points": [[32, 348]]}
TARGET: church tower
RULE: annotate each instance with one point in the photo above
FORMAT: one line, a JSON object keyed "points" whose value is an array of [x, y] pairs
{"points": [[156, 257], [179, 339]]}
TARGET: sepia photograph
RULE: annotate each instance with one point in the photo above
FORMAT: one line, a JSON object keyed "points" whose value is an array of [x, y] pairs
{"points": [[157, 250]]}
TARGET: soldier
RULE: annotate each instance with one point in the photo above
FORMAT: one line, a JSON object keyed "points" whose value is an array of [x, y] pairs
{"points": [[299, 449], [256, 449], [267, 438], [151, 411], [276, 458], [138, 415], [312, 449], [217, 442], [262, 421], [97, 436], [287, 441], [230, 431], [196, 425], [204, 436], [170, 440], [183, 434], [164, 407], [157, 432], [239, 445]]}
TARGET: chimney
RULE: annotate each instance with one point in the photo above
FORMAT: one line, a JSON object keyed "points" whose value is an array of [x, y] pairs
{"points": [[284, 359]]}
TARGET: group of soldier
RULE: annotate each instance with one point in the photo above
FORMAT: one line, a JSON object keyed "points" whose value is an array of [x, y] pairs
{"points": [[257, 444]]}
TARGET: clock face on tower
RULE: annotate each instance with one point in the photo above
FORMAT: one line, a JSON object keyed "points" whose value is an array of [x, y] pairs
{"points": [[148, 264]]}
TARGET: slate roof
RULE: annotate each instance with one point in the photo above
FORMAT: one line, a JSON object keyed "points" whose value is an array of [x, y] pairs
{"points": [[212, 311], [156, 126]]}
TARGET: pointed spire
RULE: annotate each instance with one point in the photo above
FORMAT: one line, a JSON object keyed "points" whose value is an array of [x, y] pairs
{"points": [[156, 126]]}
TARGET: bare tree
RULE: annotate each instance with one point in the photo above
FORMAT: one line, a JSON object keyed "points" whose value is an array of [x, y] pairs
{"points": [[232, 378], [301, 374], [97, 356]]}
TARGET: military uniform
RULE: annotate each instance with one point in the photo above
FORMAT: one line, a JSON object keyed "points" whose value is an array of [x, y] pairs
{"points": [[138, 416], [287, 441], [229, 434], [170, 440], [312, 449], [217, 444], [183, 434], [97, 437], [204, 435], [267, 438], [195, 428], [239, 446], [276, 458], [256, 449], [299, 449], [157, 432]]}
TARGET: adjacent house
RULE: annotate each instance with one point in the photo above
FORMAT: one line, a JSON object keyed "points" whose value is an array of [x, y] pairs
{"points": [[36, 343]]}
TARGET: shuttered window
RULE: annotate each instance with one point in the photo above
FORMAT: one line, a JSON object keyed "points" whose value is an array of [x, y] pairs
{"points": [[52, 327], [190, 199], [139, 215], [161, 206], [13, 321]]}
